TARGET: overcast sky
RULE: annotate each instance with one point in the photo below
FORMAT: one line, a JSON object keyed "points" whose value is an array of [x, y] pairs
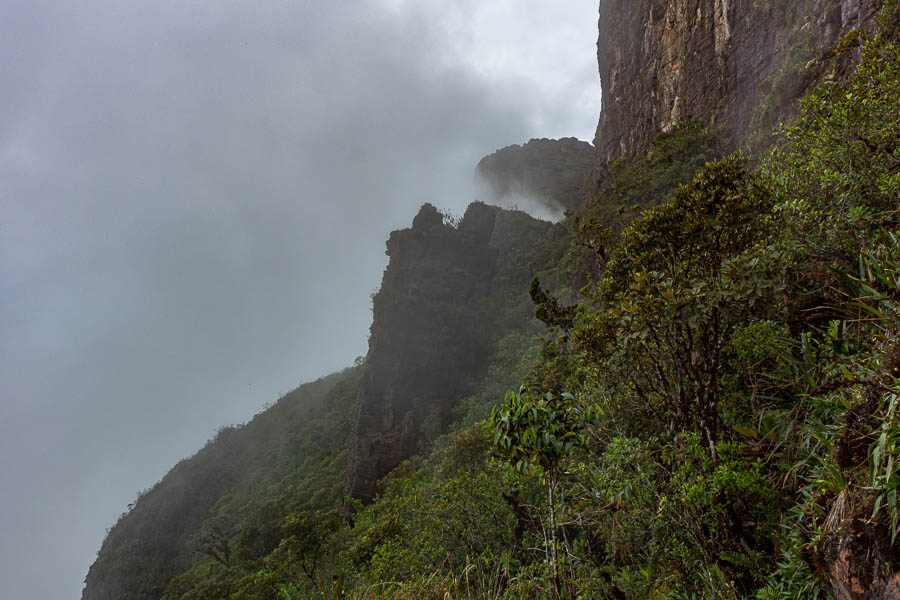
{"points": [[194, 200]]}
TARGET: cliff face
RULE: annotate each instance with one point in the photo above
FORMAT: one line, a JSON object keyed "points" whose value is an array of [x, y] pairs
{"points": [[734, 63], [547, 172], [435, 319]]}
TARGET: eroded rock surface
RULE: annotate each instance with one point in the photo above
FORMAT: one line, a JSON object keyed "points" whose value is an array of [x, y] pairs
{"points": [[734, 63], [435, 319]]}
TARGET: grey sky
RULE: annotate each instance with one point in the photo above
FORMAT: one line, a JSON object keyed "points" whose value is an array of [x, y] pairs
{"points": [[194, 199]]}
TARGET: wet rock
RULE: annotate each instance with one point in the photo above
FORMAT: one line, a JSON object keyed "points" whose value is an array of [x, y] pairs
{"points": [[435, 320]]}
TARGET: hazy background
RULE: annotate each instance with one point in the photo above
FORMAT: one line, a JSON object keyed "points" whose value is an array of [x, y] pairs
{"points": [[194, 199]]}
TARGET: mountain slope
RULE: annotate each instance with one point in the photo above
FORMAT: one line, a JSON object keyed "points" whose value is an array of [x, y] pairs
{"points": [[299, 443], [449, 294], [706, 419]]}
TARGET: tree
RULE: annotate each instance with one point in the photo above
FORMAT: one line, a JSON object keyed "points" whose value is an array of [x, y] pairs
{"points": [[686, 274], [303, 544], [535, 435]]}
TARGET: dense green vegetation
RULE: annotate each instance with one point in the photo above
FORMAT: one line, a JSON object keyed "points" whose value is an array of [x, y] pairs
{"points": [[715, 415]]}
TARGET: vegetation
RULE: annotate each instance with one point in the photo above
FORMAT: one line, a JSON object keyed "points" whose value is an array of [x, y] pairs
{"points": [[717, 415], [225, 505]]}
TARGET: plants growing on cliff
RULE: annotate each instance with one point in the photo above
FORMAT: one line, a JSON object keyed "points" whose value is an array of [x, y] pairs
{"points": [[685, 275], [635, 183], [836, 177]]}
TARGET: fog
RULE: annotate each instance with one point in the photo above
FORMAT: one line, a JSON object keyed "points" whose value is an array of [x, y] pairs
{"points": [[194, 199]]}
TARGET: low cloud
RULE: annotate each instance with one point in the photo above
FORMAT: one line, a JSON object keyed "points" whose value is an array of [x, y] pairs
{"points": [[194, 203]]}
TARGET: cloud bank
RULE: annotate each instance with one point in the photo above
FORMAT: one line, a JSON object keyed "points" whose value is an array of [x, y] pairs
{"points": [[194, 199]]}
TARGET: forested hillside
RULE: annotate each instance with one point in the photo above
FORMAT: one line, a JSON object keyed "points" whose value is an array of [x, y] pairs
{"points": [[706, 403]]}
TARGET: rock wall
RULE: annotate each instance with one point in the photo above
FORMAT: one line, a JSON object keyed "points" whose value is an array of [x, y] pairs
{"points": [[435, 320], [549, 172], [739, 66], [735, 63]]}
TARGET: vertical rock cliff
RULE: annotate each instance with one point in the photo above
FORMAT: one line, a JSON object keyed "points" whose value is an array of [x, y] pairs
{"points": [[731, 63], [435, 318], [738, 66]]}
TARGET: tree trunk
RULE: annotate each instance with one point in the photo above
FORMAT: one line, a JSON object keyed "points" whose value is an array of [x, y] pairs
{"points": [[554, 558]]}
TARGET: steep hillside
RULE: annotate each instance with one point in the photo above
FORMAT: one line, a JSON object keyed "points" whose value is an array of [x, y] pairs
{"points": [[297, 446], [713, 415], [450, 292]]}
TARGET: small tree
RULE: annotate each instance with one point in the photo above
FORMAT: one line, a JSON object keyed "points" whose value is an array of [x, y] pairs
{"points": [[539, 433], [685, 275]]}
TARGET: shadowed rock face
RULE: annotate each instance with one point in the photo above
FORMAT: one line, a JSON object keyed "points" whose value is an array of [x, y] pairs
{"points": [[724, 62], [548, 172], [856, 568], [433, 329], [856, 556]]}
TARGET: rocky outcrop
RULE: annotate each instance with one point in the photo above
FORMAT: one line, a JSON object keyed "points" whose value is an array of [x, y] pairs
{"points": [[435, 320], [856, 554], [547, 172], [856, 568], [739, 64]]}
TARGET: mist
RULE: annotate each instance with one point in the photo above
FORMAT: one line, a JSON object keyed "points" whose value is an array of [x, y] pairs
{"points": [[537, 206], [194, 200]]}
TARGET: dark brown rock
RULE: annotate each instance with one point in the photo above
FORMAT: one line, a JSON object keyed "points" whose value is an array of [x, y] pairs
{"points": [[859, 564], [856, 555], [435, 320]]}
